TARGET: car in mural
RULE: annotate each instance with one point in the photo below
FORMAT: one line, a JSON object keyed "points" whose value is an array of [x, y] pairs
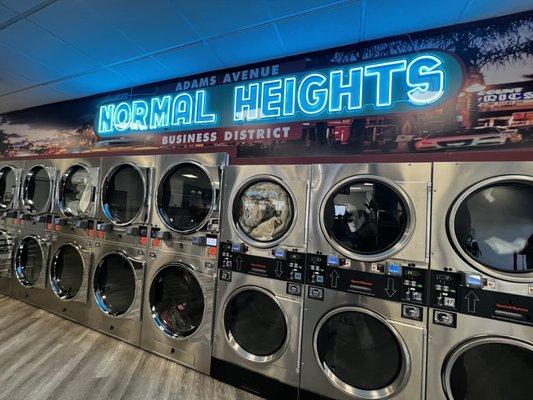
{"points": [[482, 136]]}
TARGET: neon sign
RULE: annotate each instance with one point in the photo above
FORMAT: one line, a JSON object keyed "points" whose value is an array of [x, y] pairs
{"points": [[407, 83]]}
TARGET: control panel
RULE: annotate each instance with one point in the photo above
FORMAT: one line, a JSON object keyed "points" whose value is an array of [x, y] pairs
{"points": [[285, 265], [471, 294]]}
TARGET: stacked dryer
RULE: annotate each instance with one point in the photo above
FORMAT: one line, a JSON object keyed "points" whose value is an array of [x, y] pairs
{"points": [[32, 245], [260, 282], [481, 319], [71, 234], [10, 175], [115, 293], [179, 291], [365, 317]]}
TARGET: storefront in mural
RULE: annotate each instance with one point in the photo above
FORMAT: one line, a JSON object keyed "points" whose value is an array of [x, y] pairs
{"points": [[469, 87]]}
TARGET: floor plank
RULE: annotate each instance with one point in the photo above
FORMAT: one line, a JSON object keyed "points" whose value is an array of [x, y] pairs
{"points": [[44, 357]]}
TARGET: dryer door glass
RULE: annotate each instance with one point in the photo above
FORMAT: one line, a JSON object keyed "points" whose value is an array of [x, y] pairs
{"points": [[114, 284], [66, 272], [123, 194], [8, 185], [492, 371], [185, 197], [494, 227], [177, 301], [357, 350], [29, 261], [263, 211], [37, 190], [256, 323], [76, 192], [6, 249], [365, 217]]}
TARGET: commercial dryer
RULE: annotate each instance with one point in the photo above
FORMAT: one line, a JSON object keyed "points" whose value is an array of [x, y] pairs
{"points": [[7, 249], [76, 196], [365, 313], [37, 193], [68, 272], [10, 177], [186, 204], [259, 300], [125, 199], [32, 247], [116, 291], [481, 281], [177, 317]]}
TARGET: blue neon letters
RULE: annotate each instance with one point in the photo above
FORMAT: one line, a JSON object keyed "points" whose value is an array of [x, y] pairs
{"points": [[405, 83]]}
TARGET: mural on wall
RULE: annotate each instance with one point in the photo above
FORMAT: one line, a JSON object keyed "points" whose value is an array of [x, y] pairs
{"points": [[468, 87]]}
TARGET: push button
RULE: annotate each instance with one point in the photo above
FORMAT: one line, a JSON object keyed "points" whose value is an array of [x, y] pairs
{"points": [[294, 289], [315, 293]]}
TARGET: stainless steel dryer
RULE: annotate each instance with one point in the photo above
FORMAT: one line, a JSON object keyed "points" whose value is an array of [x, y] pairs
{"points": [[68, 277], [37, 193], [32, 247], [76, 196], [117, 291], [7, 249], [261, 272], [125, 199], [177, 316], [366, 295], [185, 216], [10, 177]]}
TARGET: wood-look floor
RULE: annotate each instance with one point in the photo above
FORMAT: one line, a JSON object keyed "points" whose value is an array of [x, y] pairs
{"points": [[43, 356]]}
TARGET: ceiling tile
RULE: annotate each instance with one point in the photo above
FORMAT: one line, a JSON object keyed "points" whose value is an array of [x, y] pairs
{"points": [[244, 47], [86, 30], [189, 60], [10, 82], [281, 8], [392, 17], [144, 70], [38, 44], [5, 14], [306, 32], [31, 97], [479, 9], [222, 16], [21, 64], [95, 82], [21, 6], [154, 27]]}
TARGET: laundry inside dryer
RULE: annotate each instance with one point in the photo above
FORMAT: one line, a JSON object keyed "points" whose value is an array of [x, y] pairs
{"points": [[66, 272], [76, 191]]}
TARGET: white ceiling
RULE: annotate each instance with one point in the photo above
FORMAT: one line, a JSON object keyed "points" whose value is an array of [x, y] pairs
{"points": [[53, 50]]}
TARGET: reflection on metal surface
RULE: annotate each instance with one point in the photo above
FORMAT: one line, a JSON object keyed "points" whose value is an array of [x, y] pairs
{"points": [[67, 271], [28, 261], [76, 191], [37, 190]]}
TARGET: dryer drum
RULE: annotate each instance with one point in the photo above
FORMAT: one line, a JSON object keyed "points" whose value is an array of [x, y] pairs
{"points": [[38, 187], [176, 301], [185, 197], [8, 187], [114, 284], [365, 217], [123, 194], [264, 211], [493, 227], [490, 369], [6, 249], [28, 261], [76, 191], [255, 325], [361, 354], [66, 272]]}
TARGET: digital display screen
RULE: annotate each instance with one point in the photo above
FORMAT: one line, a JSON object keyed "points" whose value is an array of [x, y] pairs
{"points": [[211, 241], [340, 211], [333, 260]]}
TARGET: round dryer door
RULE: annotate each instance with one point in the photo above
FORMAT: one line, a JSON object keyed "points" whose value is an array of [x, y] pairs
{"points": [[6, 251], [38, 188], [76, 192], [491, 226], [185, 197], [8, 188], [361, 353], [366, 219], [177, 301], [255, 324], [490, 369], [114, 284], [29, 262], [123, 194], [67, 272], [264, 211]]}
